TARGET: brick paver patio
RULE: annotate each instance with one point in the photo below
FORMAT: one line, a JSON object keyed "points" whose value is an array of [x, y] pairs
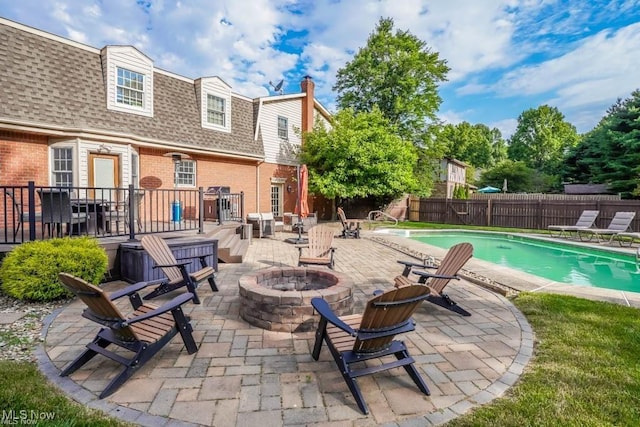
{"points": [[243, 375]]}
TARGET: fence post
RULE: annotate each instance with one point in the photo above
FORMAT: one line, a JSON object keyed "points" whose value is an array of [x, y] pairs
{"points": [[242, 207], [488, 212], [132, 217], [219, 208], [539, 216], [201, 210], [31, 191]]}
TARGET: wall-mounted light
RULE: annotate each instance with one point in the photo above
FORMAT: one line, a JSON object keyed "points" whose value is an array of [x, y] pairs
{"points": [[177, 157], [289, 188]]}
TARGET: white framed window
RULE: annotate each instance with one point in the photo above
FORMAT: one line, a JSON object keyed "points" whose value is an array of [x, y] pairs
{"points": [[283, 127], [216, 110], [185, 175], [62, 167], [129, 88], [276, 199], [129, 78], [216, 105]]}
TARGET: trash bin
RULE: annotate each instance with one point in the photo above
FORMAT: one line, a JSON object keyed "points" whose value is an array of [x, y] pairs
{"points": [[176, 212]]}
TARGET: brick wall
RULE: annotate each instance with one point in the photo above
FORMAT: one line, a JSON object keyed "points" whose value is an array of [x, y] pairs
{"points": [[23, 158]]}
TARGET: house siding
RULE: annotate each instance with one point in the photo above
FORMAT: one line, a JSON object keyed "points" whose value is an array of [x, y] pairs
{"points": [[277, 150]]}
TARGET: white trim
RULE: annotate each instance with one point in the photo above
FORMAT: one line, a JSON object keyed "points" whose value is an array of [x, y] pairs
{"points": [[282, 97]]}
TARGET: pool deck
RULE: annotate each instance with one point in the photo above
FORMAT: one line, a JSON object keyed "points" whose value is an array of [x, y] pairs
{"points": [[243, 375]]}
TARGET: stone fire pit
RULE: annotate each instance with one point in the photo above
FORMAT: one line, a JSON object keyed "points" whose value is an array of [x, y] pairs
{"points": [[279, 298]]}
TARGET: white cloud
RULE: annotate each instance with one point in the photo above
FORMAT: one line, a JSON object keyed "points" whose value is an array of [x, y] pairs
{"points": [[506, 127]]}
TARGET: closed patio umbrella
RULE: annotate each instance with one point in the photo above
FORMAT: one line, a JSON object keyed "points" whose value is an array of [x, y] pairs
{"points": [[302, 207]]}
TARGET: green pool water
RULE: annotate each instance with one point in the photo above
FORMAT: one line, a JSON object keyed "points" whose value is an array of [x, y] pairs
{"points": [[561, 263]]}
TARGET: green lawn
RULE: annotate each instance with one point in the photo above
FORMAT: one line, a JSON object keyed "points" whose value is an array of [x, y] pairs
{"points": [[24, 389], [585, 370]]}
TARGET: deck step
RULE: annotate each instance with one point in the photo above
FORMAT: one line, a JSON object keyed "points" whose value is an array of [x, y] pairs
{"points": [[231, 247]]}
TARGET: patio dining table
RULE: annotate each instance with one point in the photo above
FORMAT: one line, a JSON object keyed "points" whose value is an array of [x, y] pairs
{"points": [[95, 208]]}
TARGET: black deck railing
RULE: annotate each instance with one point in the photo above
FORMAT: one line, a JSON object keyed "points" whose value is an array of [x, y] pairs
{"points": [[39, 212]]}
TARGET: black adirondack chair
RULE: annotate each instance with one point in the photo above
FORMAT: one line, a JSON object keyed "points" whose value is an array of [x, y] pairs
{"points": [[143, 332], [355, 339]]}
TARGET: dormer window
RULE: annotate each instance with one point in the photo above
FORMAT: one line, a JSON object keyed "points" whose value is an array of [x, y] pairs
{"points": [[214, 97], [130, 88], [216, 110], [129, 78]]}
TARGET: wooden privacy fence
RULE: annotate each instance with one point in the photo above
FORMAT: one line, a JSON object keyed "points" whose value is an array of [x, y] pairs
{"points": [[521, 213]]}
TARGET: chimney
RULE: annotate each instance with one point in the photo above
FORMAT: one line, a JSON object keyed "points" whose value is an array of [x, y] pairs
{"points": [[307, 85]]}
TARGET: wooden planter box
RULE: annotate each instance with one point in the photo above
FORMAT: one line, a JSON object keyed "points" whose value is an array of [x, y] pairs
{"points": [[137, 266]]}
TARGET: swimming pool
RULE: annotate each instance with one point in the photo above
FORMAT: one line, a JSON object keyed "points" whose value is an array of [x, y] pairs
{"points": [[554, 261]]}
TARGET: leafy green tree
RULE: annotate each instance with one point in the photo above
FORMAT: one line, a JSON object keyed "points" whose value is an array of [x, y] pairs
{"points": [[519, 176], [610, 153], [498, 146], [542, 138], [476, 145], [400, 74], [361, 155]]}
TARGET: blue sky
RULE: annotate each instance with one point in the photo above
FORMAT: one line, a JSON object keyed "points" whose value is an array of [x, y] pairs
{"points": [[506, 56]]}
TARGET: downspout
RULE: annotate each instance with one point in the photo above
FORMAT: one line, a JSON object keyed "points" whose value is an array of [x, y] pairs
{"points": [[258, 186]]}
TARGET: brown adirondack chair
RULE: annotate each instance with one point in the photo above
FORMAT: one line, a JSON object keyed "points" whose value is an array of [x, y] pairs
{"points": [[456, 257], [143, 332], [355, 339], [319, 250], [350, 227], [176, 270]]}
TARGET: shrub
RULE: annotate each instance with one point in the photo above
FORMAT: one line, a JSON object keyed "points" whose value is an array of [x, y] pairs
{"points": [[30, 271]]}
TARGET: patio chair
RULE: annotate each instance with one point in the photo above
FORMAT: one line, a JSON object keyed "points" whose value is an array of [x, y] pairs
{"points": [[121, 214], [57, 210], [355, 339], [143, 332], [176, 270], [19, 215], [350, 227], [619, 224], [319, 249], [456, 257], [626, 238], [586, 220]]}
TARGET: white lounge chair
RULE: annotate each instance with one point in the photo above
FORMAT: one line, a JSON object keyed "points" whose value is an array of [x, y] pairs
{"points": [[619, 224], [586, 220]]}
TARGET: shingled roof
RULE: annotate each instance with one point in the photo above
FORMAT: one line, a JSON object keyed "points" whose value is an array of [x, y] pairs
{"points": [[56, 84]]}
